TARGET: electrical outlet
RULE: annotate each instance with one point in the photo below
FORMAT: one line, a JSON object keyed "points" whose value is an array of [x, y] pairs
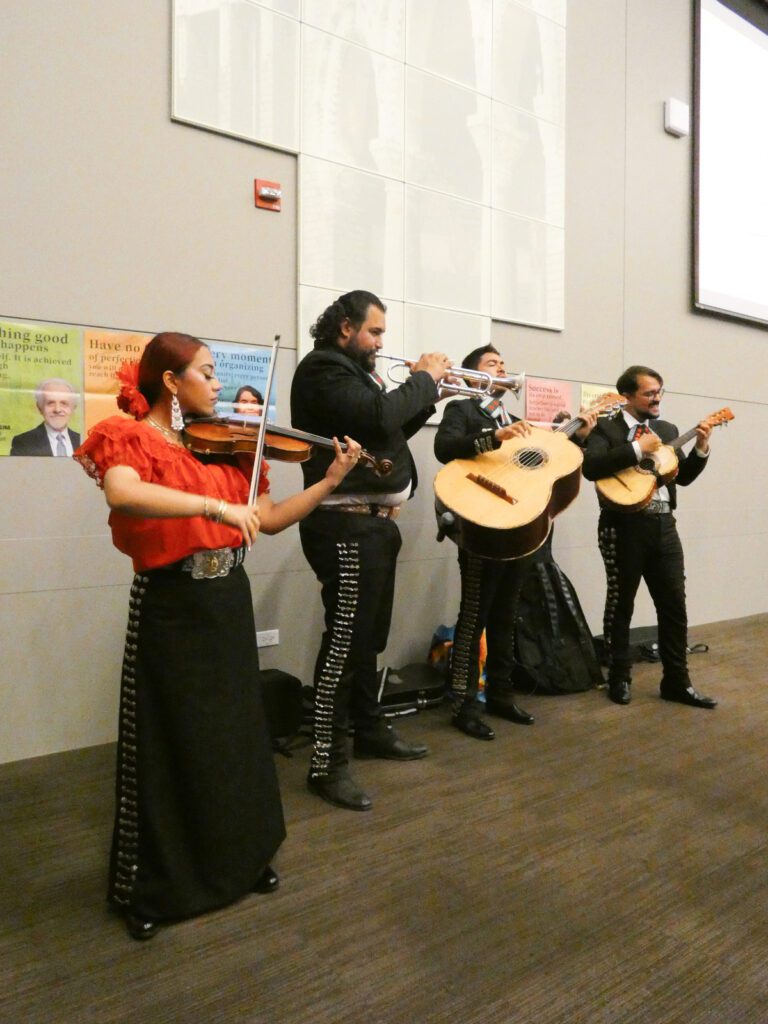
{"points": [[268, 638]]}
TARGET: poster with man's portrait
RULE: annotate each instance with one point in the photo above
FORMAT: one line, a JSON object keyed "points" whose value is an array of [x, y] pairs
{"points": [[41, 383]]}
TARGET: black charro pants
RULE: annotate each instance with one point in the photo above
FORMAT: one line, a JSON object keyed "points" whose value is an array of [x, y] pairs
{"points": [[490, 594], [354, 558], [634, 547]]}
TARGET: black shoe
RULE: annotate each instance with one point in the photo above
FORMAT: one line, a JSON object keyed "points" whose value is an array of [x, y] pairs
{"points": [[470, 723], [385, 743], [503, 706], [620, 691], [267, 882], [688, 696], [139, 928], [340, 790]]}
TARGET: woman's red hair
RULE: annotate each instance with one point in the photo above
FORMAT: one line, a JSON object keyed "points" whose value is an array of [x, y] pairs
{"points": [[166, 351]]}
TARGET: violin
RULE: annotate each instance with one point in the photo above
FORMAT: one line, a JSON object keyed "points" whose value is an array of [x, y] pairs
{"points": [[226, 436]]}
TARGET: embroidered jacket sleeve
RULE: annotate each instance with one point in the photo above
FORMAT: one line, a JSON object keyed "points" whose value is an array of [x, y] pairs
{"points": [[460, 434]]}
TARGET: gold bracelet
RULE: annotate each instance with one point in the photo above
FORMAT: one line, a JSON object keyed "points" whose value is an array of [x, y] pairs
{"points": [[206, 513], [221, 511]]}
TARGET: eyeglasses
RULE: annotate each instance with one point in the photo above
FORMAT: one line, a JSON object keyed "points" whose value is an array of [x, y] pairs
{"points": [[652, 394]]}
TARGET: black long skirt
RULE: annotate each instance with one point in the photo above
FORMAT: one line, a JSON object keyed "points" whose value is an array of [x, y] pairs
{"points": [[198, 814]]}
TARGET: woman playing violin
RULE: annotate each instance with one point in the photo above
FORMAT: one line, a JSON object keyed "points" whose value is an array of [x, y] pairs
{"points": [[198, 815]]}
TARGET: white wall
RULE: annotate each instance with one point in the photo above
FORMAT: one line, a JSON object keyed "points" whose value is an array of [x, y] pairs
{"points": [[112, 215], [374, 96]]}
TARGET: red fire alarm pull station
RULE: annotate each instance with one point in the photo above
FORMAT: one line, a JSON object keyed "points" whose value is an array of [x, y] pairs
{"points": [[268, 194]]}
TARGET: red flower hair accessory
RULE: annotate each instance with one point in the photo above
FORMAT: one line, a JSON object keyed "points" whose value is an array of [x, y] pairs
{"points": [[129, 398]]}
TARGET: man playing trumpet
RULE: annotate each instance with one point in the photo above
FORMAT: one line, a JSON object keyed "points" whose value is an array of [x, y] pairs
{"points": [[490, 588], [352, 541]]}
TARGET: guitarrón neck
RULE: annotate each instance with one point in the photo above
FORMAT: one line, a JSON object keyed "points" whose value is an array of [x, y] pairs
{"points": [[570, 428]]}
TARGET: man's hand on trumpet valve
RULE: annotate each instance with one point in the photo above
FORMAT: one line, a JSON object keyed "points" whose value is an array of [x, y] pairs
{"points": [[436, 364]]}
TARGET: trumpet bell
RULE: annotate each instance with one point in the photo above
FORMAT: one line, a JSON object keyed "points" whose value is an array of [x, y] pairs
{"points": [[476, 383], [514, 383]]}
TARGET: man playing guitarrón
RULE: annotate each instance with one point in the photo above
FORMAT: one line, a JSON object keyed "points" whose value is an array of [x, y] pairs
{"points": [[644, 544], [490, 588]]}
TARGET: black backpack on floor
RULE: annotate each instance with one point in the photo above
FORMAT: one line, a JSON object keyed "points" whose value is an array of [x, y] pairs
{"points": [[282, 696], [554, 651]]}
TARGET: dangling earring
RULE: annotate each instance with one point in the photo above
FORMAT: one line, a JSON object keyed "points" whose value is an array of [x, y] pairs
{"points": [[177, 420]]}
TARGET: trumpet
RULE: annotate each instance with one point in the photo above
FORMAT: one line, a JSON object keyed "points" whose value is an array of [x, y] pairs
{"points": [[477, 383]]}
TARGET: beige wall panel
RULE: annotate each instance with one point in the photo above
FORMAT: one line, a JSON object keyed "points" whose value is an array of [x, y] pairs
{"points": [[119, 217], [60, 563], [590, 347], [290, 602], [48, 499], [62, 651]]}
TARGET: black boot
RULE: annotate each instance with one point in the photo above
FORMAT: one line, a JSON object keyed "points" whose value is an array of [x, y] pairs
{"points": [[499, 700], [466, 718], [268, 881], [684, 693], [620, 691], [381, 740], [340, 789], [330, 779], [139, 928]]}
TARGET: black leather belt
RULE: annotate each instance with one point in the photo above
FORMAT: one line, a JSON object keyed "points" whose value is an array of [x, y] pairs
{"points": [[657, 508], [380, 511]]}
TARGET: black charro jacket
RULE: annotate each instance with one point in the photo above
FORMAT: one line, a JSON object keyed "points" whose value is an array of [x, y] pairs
{"points": [[609, 450], [333, 396], [465, 431]]}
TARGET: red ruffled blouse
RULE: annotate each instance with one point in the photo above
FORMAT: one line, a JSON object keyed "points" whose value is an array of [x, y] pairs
{"points": [[151, 542]]}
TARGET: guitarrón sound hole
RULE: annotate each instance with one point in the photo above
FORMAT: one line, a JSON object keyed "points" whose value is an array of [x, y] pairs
{"points": [[530, 458]]}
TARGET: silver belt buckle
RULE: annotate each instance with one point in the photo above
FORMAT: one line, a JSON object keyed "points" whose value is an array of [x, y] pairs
{"points": [[210, 565], [656, 507]]}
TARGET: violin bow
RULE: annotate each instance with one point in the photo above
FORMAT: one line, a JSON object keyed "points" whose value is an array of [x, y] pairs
{"points": [[263, 432]]}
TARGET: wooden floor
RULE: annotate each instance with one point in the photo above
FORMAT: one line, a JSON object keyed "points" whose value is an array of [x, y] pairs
{"points": [[607, 866]]}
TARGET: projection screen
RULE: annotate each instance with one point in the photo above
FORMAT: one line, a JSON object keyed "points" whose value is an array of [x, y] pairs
{"points": [[731, 159]]}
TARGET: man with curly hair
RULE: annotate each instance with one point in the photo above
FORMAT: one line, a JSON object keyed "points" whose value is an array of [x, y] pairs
{"points": [[351, 540]]}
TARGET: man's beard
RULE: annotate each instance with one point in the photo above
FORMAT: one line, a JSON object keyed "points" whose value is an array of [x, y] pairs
{"points": [[358, 355]]}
